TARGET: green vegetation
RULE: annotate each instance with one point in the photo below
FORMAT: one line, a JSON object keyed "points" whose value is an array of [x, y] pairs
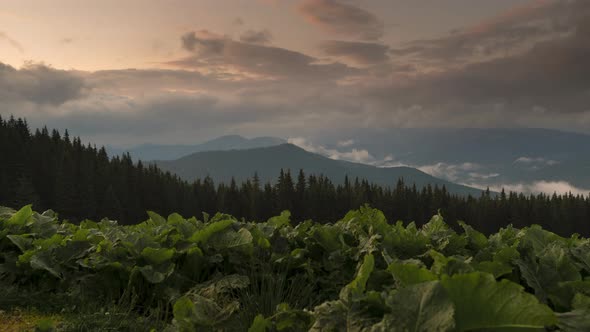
{"points": [[360, 273]]}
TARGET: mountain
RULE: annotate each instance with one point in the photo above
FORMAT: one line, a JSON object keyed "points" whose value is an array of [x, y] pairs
{"points": [[486, 156], [171, 152], [267, 162]]}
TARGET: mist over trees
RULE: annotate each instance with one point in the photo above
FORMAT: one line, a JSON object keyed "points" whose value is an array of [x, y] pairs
{"points": [[52, 170]]}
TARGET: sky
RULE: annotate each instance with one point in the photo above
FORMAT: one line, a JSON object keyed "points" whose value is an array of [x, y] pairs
{"points": [[129, 72]]}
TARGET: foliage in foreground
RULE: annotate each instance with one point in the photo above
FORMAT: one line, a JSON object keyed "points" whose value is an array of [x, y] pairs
{"points": [[358, 274]]}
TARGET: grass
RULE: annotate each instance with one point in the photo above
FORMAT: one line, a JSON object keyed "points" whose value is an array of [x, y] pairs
{"points": [[18, 320], [25, 310]]}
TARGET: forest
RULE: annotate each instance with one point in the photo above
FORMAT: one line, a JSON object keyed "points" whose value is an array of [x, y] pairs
{"points": [[54, 171]]}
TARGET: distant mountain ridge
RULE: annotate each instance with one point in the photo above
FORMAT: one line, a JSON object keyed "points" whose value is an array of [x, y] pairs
{"points": [[149, 152], [267, 162]]}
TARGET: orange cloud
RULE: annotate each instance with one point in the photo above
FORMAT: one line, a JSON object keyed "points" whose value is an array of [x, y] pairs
{"points": [[343, 19]]}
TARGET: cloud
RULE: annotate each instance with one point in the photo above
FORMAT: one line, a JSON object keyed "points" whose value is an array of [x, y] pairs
{"points": [[135, 106], [345, 143], [39, 84], [342, 19], [238, 21], [218, 53], [361, 156], [11, 42], [514, 30], [452, 172], [544, 85], [536, 161], [536, 187], [105, 118], [225, 85], [355, 155], [359, 52], [256, 37]]}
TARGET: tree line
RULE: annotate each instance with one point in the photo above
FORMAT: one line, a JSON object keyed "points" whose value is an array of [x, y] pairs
{"points": [[55, 171]]}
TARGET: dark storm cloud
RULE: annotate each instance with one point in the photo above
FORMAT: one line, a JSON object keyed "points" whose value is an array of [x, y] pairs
{"points": [[359, 52], [39, 84], [145, 117], [222, 53], [256, 37], [207, 42], [343, 19], [552, 75], [510, 32]]}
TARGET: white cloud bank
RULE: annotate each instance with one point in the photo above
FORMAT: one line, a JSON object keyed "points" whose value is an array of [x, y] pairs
{"points": [[536, 187], [355, 155], [538, 160]]}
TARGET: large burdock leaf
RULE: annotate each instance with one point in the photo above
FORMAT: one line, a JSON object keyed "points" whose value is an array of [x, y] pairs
{"points": [[582, 254], [280, 221], [156, 275], [20, 218], [409, 274], [477, 240], [575, 321], [231, 240], [201, 236], [43, 261], [545, 270], [482, 303], [357, 287], [157, 256], [23, 242], [260, 324], [421, 307], [346, 314], [194, 312]]}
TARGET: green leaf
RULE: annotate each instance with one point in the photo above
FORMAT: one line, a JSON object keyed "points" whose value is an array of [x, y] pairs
{"points": [[546, 269], [498, 269], [157, 256], [23, 242], [422, 307], [20, 218], [476, 239], [582, 254], [581, 301], [204, 234], [42, 261], [156, 275], [231, 239], [357, 287], [183, 310], [156, 218], [260, 324], [327, 237], [175, 219], [292, 319], [280, 221], [574, 321], [330, 316], [410, 274], [482, 303]]}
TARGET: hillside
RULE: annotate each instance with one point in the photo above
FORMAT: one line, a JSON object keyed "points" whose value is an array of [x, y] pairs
{"points": [[267, 162], [172, 152]]}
